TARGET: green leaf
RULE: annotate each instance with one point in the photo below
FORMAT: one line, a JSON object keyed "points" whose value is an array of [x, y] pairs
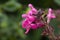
{"points": [[12, 6]]}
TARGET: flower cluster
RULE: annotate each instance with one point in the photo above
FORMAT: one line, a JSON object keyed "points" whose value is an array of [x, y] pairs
{"points": [[31, 21], [33, 18]]}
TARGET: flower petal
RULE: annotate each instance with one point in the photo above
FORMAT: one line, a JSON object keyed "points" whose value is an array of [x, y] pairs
{"points": [[30, 6], [24, 15], [33, 26]]}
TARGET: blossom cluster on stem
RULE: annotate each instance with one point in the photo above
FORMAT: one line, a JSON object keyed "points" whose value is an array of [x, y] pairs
{"points": [[32, 19]]}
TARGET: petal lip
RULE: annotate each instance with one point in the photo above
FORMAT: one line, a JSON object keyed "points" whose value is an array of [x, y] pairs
{"points": [[30, 6], [27, 30], [24, 15], [33, 26]]}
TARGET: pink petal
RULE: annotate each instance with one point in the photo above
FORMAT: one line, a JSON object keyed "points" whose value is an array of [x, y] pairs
{"points": [[30, 12], [24, 15], [31, 18], [50, 10], [27, 30], [33, 26], [34, 11], [25, 23], [30, 6], [53, 16], [49, 15]]}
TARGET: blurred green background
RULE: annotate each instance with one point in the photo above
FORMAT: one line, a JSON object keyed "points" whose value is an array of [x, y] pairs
{"points": [[10, 19]]}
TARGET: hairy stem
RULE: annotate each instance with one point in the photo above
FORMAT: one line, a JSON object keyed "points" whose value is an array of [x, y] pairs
{"points": [[50, 34]]}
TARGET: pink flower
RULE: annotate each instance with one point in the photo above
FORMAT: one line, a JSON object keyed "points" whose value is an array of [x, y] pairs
{"points": [[50, 15], [33, 10], [31, 21], [27, 25]]}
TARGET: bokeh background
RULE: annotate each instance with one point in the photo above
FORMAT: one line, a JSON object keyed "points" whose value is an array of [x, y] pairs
{"points": [[10, 19]]}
